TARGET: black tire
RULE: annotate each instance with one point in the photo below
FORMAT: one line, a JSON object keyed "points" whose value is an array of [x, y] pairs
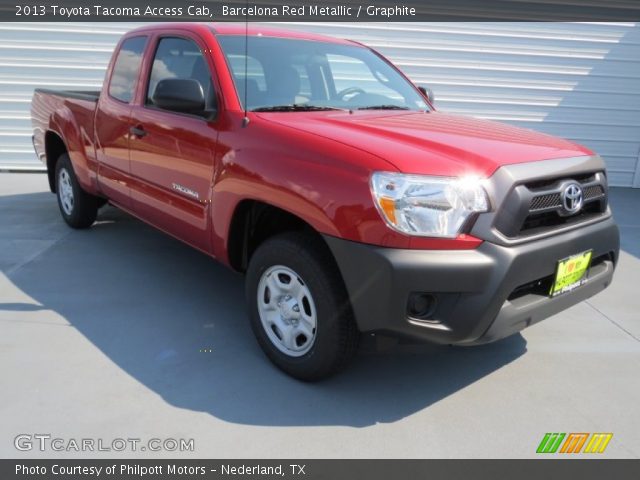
{"points": [[82, 210], [336, 333]]}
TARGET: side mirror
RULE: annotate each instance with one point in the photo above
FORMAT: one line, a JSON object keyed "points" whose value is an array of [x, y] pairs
{"points": [[183, 95], [427, 93]]}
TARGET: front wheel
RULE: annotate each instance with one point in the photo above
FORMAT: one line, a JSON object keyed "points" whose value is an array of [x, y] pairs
{"points": [[300, 313], [78, 208]]}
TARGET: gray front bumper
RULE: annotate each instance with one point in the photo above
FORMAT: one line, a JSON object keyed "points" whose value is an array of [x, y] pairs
{"points": [[475, 289]]}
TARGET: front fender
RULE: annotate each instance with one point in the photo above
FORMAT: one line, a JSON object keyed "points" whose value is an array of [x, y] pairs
{"points": [[302, 174]]}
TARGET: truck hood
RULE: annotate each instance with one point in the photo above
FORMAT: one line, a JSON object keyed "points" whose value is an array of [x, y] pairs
{"points": [[432, 143]]}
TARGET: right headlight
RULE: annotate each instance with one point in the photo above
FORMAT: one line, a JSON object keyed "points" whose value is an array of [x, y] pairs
{"points": [[427, 206]]}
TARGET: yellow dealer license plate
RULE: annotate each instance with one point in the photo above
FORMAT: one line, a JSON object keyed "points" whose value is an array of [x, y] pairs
{"points": [[571, 273]]}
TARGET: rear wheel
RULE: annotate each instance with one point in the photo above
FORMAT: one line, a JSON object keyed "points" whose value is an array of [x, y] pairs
{"points": [[77, 207], [300, 312]]}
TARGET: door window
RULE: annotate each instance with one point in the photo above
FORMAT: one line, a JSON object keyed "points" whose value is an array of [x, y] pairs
{"points": [[126, 68], [181, 58]]}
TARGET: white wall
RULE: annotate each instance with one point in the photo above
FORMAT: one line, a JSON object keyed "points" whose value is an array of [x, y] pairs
{"points": [[579, 81]]}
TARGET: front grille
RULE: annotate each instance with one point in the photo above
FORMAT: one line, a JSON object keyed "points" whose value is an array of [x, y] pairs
{"points": [[554, 200], [593, 191], [542, 202], [537, 222], [535, 207], [548, 183]]}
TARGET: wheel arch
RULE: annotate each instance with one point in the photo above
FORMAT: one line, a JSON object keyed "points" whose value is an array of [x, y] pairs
{"points": [[253, 222], [54, 147]]}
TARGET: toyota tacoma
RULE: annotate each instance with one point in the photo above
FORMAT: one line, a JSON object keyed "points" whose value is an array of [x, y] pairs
{"points": [[319, 170]]}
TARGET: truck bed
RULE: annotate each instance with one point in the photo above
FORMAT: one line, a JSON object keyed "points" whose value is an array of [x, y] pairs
{"points": [[68, 114], [90, 95]]}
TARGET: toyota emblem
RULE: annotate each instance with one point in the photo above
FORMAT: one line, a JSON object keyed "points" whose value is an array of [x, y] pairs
{"points": [[572, 198]]}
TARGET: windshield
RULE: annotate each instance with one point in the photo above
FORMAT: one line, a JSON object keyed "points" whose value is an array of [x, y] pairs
{"points": [[283, 74]]}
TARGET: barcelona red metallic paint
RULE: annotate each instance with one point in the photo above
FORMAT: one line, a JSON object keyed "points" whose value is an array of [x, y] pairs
{"points": [[315, 165]]}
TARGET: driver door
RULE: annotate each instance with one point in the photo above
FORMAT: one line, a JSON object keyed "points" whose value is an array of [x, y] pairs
{"points": [[172, 154]]}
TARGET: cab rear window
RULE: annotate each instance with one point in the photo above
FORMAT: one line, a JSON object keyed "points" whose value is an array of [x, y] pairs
{"points": [[126, 69]]}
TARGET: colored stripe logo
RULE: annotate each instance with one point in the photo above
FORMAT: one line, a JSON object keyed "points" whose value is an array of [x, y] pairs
{"points": [[550, 442], [598, 442], [574, 442]]}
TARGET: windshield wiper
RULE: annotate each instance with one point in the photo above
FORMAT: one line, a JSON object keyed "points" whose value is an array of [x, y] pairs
{"points": [[294, 108], [383, 107]]}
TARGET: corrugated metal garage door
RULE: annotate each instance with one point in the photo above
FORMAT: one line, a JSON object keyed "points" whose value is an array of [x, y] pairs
{"points": [[579, 81], [55, 55]]}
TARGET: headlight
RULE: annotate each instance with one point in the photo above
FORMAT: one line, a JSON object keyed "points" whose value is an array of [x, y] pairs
{"points": [[427, 206]]}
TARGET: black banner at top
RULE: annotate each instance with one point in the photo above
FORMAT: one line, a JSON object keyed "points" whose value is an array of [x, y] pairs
{"points": [[319, 11]]}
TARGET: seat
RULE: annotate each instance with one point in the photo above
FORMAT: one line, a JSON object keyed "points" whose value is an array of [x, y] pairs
{"points": [[284, 86]]}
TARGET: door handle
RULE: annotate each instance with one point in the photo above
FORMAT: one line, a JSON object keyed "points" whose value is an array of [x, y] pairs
{"points": [[138, 131]]}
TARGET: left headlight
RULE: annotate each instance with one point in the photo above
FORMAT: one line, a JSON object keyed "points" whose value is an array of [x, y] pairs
{"points": [[427, 206]]}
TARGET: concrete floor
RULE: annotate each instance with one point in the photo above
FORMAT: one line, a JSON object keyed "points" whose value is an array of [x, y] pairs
{"points": [[101, 333]]}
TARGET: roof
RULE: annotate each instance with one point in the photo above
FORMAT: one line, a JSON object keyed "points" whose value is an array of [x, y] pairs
{"points": [[240, 28], [254, 30]]}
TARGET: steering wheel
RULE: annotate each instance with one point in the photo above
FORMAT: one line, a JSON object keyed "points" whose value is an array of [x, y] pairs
{"points": [[347, 91]]}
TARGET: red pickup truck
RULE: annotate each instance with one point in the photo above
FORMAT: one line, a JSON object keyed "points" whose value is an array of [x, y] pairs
{"points": [[317, 168]]}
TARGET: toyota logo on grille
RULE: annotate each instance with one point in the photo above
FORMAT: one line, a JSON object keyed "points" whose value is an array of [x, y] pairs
{"points": [[572, 198]]}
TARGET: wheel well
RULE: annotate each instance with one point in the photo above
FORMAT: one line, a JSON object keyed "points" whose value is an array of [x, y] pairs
{"points": [[253, 222], [53, 147]]}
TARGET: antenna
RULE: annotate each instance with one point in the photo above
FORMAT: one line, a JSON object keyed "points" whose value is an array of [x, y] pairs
{"points": [[245, 120]]}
